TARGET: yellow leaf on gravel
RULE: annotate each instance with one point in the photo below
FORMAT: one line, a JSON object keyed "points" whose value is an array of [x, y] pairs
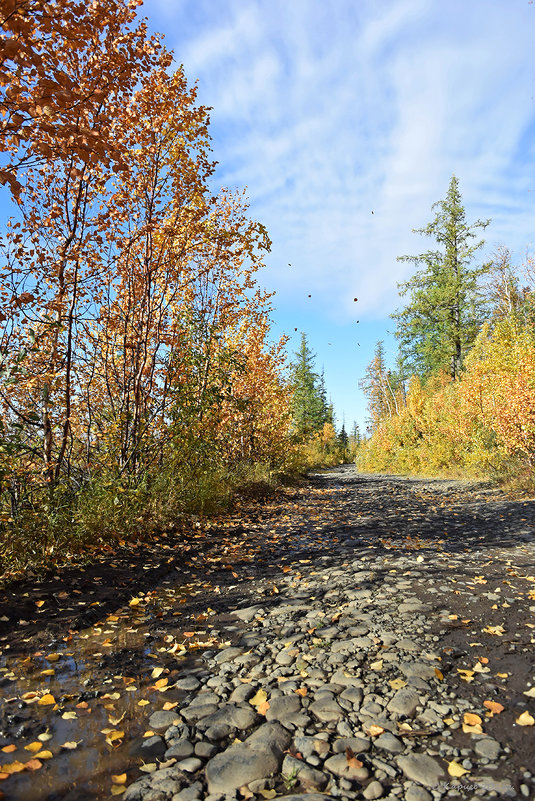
{"points": [[33, 747], [45, 754], [472, 729], [497, 631], [134, 602], [439, 674], [374, 730], [466, 675], [262, 708], [47, 672], [33, 764], [69, 716], [397, 684], [70, 745], [494, 707], [530, 693], [471, 718], [267, 793], [53, 657], [169, 705], [44, 737], [259, 698], [8, 749], [117, 789], [120, 779], [525, 719], [377, 665], [160, 683], [454, 769], [143, 702]]}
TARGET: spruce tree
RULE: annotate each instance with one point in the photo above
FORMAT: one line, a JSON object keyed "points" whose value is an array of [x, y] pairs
{"points": [[444, 311], [310, 407]]}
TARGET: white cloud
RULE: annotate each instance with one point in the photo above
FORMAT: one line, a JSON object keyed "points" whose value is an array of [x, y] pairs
{"points": [[330, 112]]}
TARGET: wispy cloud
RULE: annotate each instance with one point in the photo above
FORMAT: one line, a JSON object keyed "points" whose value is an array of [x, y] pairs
{"points": [[331, 111]]}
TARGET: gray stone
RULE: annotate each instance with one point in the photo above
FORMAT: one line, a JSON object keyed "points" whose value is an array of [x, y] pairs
{"points": [[415, 792], [404, 702], [487, 747], [339, 765], [180, 750], [373, 790], [286, 656], [205, 750], [195, 712], [228, 654], [241, 694], [353, 694], [359, 745], [283, 708], [502, 787], [260, 756], [162, 720], [422, 769], [153, 747], [387, 742], [326, 709], [189, 683], [307, 776], [247, 613], [422, 670], [190, 765], [189, 793], [217, 732], [239, 717]]}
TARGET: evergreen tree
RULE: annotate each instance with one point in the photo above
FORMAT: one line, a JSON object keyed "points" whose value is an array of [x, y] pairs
{"points": [[310, 407], [444, 311]]}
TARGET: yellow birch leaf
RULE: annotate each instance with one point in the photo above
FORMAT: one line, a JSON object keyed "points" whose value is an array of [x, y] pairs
{"points": [[530, 693], [143, 702], [525, 719], [45, 754], [33, 747], [8, 749], [117, 789], [471, 718], [439, 674], [472, 729], [397, 684], [46, 700], [119, 779], [157, 671], [259, 698], [454, 769]]}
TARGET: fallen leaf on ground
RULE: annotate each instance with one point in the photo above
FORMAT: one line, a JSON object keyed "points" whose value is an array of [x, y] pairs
{"points": [[471, 718], [70, 745], [120, 779], [497, 631], [525, 719], [454, 769], [33, 747], [259, 698], [494, 707], [397, 684], [13, 767], [530, 693], [33, 764], [8, 749]]}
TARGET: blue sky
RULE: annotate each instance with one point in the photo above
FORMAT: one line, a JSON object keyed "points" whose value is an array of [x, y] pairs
{"points": [[329, 111]]}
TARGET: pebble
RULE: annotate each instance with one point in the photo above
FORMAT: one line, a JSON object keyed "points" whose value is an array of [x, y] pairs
{"points": [[330, 653]]}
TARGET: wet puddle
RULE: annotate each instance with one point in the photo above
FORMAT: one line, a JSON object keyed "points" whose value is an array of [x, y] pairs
{"points": [[74, 715]]}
